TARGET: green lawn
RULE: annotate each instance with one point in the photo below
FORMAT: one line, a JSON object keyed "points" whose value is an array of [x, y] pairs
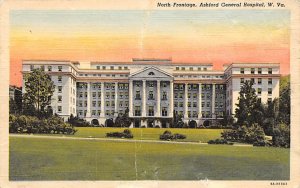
{"points": [[193, 135], [59, 159]]}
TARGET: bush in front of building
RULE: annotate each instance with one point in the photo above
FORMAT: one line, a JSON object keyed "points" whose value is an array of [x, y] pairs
{"points": [[33, 125], [281, 136], [77, 122], [125, 134], [219, 141], [167, 135]]}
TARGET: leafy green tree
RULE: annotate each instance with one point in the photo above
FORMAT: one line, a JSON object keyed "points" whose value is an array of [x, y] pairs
{"points": [[123, 120], [285, 100], [38, 91], [248, 106]]}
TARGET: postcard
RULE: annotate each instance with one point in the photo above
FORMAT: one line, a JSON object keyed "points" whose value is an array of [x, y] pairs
{"points": [[149, 93]]}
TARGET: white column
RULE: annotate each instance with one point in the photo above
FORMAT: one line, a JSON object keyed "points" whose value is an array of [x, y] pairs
{"points": [[130, 98], [213, 100], [186, 101], [199, 101], [158, 114], [144, 99], [171, 99], [116, 99], [102, 114], [88, 107]]}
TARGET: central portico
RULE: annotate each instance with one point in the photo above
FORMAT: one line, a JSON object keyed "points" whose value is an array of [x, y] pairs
{"points": [[151, 97]]}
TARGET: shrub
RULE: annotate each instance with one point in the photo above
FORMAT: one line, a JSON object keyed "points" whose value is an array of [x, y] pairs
{"points": [[219, 141], [33, 125], [281, 136], [143, 126], [244, 134], [125, 134], [157, 126], [167, 135]]}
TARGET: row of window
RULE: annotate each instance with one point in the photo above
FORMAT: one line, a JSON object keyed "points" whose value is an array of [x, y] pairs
{"points": [[197, 76], [194, 104], [49, 68], [191, 68], [150, 95], [253, 70], [259, 81], [137, 111], [112, 67], [105, 75]]}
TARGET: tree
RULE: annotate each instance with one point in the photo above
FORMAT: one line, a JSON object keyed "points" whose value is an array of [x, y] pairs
{"points": [[285, 100], [248, 106], [38, 90], [123, 120]]}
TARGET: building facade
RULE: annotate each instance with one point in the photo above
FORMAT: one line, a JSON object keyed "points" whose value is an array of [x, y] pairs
{"points": [[153, 89]]}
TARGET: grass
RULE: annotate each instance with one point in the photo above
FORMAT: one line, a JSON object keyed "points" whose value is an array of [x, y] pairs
{"points": [[193, 135], [57, 159]]}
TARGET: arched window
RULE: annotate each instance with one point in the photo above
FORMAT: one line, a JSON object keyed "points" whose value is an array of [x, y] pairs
{"points": [[151, 73]]}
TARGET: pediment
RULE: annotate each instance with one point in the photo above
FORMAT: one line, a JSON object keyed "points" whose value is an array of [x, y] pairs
{"points": [[151, 73]]}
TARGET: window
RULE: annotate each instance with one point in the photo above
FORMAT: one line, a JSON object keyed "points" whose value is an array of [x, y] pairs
{"points": [[189, 104], [112, 67], [31, 67], [164, 96], [269, 91], [194, 95], [94, 94], [103, 67], [59, 89], [164, 111], [151, 97], [42, 67], [120, 68], [181, 104], [59, 68], [151, 111], [199, 68], [208, 104], [242, 70], [259, 80], [194, 104], [94, 103], [175, 104], [242, 80], [59, 109], [151, 84], [59, 78], [182, 68], [151, 73], [49, 68], [259, 91], [269, 100], [137, 111], [80, 94], [99, 103], [93, 112], [121, 104], [177, 68], [269, 70], [164, 84], [252, 70], [270, 81], [98, 67], [191, 68], [137, 95], [59, 98], [189, 95], [107, 103], [99, 94], [205, 69], [259, 71], [253, 80], [126, 68]]}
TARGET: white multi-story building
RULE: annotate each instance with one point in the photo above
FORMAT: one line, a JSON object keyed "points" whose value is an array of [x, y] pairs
{"points": [[153, 89]]}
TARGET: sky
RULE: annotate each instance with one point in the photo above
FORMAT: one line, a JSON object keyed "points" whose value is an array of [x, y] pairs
{"points": [[187, 36]]}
